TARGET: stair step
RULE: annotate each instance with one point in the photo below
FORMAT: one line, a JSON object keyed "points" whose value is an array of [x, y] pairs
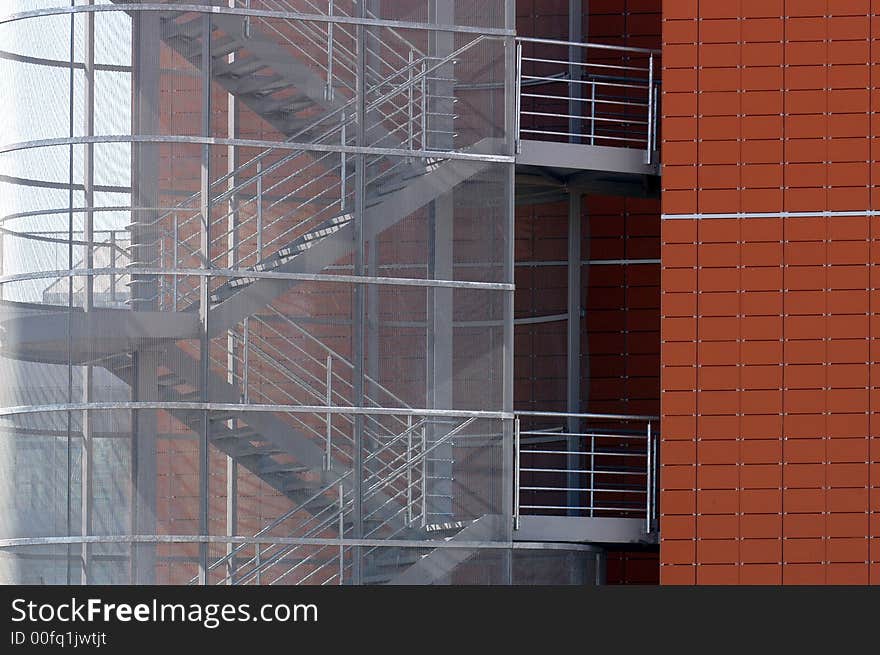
{"points": [[277, 467], [258, 85], [225, 46], [239, 68], [298, 484], [268, 105], [191, 28], [253, 451], [235, 435]]}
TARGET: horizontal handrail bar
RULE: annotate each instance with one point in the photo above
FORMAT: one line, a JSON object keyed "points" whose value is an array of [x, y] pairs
{"points": [[597, 46]]}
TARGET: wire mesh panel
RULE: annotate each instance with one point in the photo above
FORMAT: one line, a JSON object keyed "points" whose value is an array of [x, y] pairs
{"points": [[255, 271]]}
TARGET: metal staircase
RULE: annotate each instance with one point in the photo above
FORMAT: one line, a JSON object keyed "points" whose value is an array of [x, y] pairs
{"points": [[296, 206], [290, 210]]}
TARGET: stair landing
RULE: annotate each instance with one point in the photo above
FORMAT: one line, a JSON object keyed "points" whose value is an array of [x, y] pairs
{"points": [[542, 166], [578, 529]]}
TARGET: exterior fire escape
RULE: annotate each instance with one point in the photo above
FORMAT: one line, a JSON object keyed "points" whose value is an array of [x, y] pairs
{"points": [[586, 121]]}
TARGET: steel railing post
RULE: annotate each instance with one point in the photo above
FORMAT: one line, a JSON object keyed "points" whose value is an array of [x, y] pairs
{"points": [[328, 90], [424, 476], [424, 89], [409, 512], [342, 172], [593, 113], [245, 383], [516, 472], [113, 266], [656, 486], [258, 564], [409, 103], [259, 210], [649, 141], [656, 117], [176, 282], [518, 100], [592, 473], [246, 23], [329, 419], [649, 481], [341, 533]]}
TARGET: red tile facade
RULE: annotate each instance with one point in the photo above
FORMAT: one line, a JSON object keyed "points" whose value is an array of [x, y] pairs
{"points": [[769, 377], [620, 330]]}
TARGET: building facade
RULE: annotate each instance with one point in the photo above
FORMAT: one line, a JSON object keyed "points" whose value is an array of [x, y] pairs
{"points": [[367, 292], [770, 452], [281, 303]]}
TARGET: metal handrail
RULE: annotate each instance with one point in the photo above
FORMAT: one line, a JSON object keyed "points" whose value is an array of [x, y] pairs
{"points": [[378, 487], [594, 123], [597, 46], [302, 506], [333, 130], [595, 472], [412, 82], [369, 493]]}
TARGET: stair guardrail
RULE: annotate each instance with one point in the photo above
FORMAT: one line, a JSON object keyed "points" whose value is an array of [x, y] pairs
{"points": [[372, 489], [608, 467], [590, 94]]}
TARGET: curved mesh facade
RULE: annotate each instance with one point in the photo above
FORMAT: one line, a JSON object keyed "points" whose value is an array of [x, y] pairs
{"points": [[256, 292]]}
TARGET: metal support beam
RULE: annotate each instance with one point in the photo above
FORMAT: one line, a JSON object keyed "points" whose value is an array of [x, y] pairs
{"points": [[373, 62], [372, 320], [146, 37], [204, 298], [233, 367], [86, 452], [439, 356], [144, 465], [510, 120], [358, 313], [601, 567], [576, 10], [441, 216]]}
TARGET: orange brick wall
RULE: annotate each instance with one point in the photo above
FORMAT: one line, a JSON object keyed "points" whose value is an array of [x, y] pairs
{"points": [[633, 23], [770, 440], [620, 330]]}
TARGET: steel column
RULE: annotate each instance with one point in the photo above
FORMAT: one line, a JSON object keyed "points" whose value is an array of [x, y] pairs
{"points": [[358, 313], [601, 567], [509, 501], [232, 366], [441, 216], [87, 451], [146, 37], [204, 298], [372, 62]]}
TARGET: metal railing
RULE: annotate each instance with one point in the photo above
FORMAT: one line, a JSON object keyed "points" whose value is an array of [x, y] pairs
{"points": [[275, 206], [400, 492], [110, 249], [607, 467], [587, 93]]}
